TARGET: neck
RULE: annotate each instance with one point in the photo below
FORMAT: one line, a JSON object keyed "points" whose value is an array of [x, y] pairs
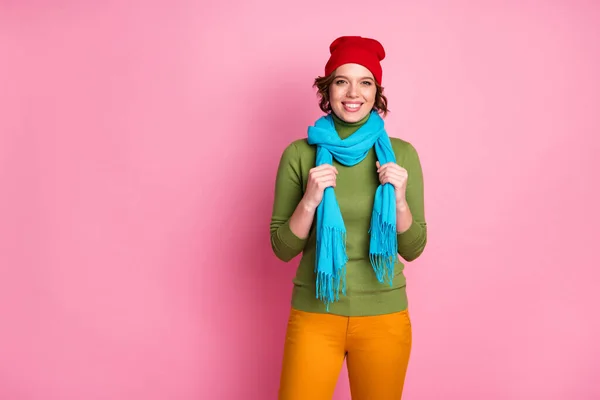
{"points": [[345, 129]]}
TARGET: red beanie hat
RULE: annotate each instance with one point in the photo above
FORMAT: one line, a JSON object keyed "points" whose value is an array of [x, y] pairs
{"points": [[356, 50]]}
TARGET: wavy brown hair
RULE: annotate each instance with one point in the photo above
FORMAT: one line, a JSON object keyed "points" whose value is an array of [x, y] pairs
{"points": [[323, 83]]}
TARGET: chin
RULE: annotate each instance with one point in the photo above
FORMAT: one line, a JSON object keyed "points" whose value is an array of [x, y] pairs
{"points": [[351, 117]]}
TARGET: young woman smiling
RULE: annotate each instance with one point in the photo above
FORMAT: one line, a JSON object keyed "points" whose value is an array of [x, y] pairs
{"points": [[350, 199]]}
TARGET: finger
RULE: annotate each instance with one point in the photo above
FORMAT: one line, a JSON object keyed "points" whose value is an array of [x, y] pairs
{"points": [[392, 166], [398, 175], [377, 165], [326, 183], [386, 180], [325, 174], [323, 171], [398, 182], [395, 184], [325, 167], [395, 177], [394, 171], [383, 167]]}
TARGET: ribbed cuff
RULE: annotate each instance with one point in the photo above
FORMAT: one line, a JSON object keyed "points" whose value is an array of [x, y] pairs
{"points": [[289, 239], [411, 235]]}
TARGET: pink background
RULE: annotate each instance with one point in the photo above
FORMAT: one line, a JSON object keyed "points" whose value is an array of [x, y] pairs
{"points": [[138, 152]]}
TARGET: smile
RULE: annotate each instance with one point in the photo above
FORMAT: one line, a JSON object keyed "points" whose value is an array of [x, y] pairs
{"points": [[351, 107]]}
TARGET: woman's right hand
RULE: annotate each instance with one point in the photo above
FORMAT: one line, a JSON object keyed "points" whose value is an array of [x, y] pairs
{"points": [[319, 178]]}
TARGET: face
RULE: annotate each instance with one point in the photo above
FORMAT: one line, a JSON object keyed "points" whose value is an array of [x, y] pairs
{"points": [[352, 92]]}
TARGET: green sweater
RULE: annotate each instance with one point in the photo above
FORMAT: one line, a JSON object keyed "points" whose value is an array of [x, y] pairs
{"points": [[355, 192]]}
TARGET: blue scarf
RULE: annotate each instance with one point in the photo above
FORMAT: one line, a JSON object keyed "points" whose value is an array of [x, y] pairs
{"points": [[331, 257]]}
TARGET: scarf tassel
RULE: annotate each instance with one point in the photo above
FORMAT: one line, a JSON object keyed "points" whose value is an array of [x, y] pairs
{"points": [[383, 249], [329, 284]]}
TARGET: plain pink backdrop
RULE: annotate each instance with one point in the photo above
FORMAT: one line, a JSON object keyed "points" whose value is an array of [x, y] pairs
{"points": [[138, 150]]}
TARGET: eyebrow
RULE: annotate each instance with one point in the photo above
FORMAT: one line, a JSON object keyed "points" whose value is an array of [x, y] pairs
{"points": [[345, 77]]}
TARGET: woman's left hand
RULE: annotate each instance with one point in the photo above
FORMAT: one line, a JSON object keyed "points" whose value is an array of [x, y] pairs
{"points": [[397, 176]]}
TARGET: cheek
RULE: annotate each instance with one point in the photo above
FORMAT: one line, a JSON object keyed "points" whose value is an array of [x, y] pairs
{"points": [[334, 94], [371, 94], [368, 93]]}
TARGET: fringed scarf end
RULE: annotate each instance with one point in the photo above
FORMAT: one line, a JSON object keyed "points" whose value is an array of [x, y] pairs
{"points": [[384, 248], [329, 285]]}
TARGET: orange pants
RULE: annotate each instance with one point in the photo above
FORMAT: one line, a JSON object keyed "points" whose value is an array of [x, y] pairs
{"points": [[376, 349]]}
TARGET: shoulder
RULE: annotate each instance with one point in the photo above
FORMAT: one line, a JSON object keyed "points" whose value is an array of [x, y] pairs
{"points": [[302, 145], [299, 148], [406, 154], [402, 148], [299, 155]]}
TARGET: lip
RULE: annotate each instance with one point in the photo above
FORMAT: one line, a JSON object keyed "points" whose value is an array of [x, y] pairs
{"points": [[352, 110]]}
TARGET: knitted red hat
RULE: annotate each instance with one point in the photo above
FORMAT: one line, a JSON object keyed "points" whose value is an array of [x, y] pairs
{"points": [[357, 50]]}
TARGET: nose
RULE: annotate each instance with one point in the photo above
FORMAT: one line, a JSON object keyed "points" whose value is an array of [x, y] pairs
{"points": [[352, 91]]}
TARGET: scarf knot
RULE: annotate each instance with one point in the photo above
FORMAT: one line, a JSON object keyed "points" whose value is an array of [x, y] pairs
{"points": [[331, 258]]}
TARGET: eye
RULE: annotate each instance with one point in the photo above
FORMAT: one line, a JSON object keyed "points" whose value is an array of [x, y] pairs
{"points": [[367, 83], [340, 82]]}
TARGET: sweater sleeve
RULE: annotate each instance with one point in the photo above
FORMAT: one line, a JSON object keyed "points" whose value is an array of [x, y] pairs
{"points": [[411, 243], [288, 193]]}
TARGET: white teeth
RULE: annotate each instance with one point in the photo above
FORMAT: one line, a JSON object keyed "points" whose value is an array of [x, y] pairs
{"points": [[352, 105]]}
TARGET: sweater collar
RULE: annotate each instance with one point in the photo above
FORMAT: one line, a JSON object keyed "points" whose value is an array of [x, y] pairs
{"points": [[345, 129]]}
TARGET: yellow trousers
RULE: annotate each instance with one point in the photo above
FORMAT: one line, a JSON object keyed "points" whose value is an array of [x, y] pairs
{"points": [[377, 350]]}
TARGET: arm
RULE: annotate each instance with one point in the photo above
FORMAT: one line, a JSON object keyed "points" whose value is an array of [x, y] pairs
{"points": [[289, 233], [290, 214], [404, 218], [410, 214]]}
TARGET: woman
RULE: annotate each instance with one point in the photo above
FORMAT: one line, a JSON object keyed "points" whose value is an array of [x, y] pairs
{"points": [[349, 198]]}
